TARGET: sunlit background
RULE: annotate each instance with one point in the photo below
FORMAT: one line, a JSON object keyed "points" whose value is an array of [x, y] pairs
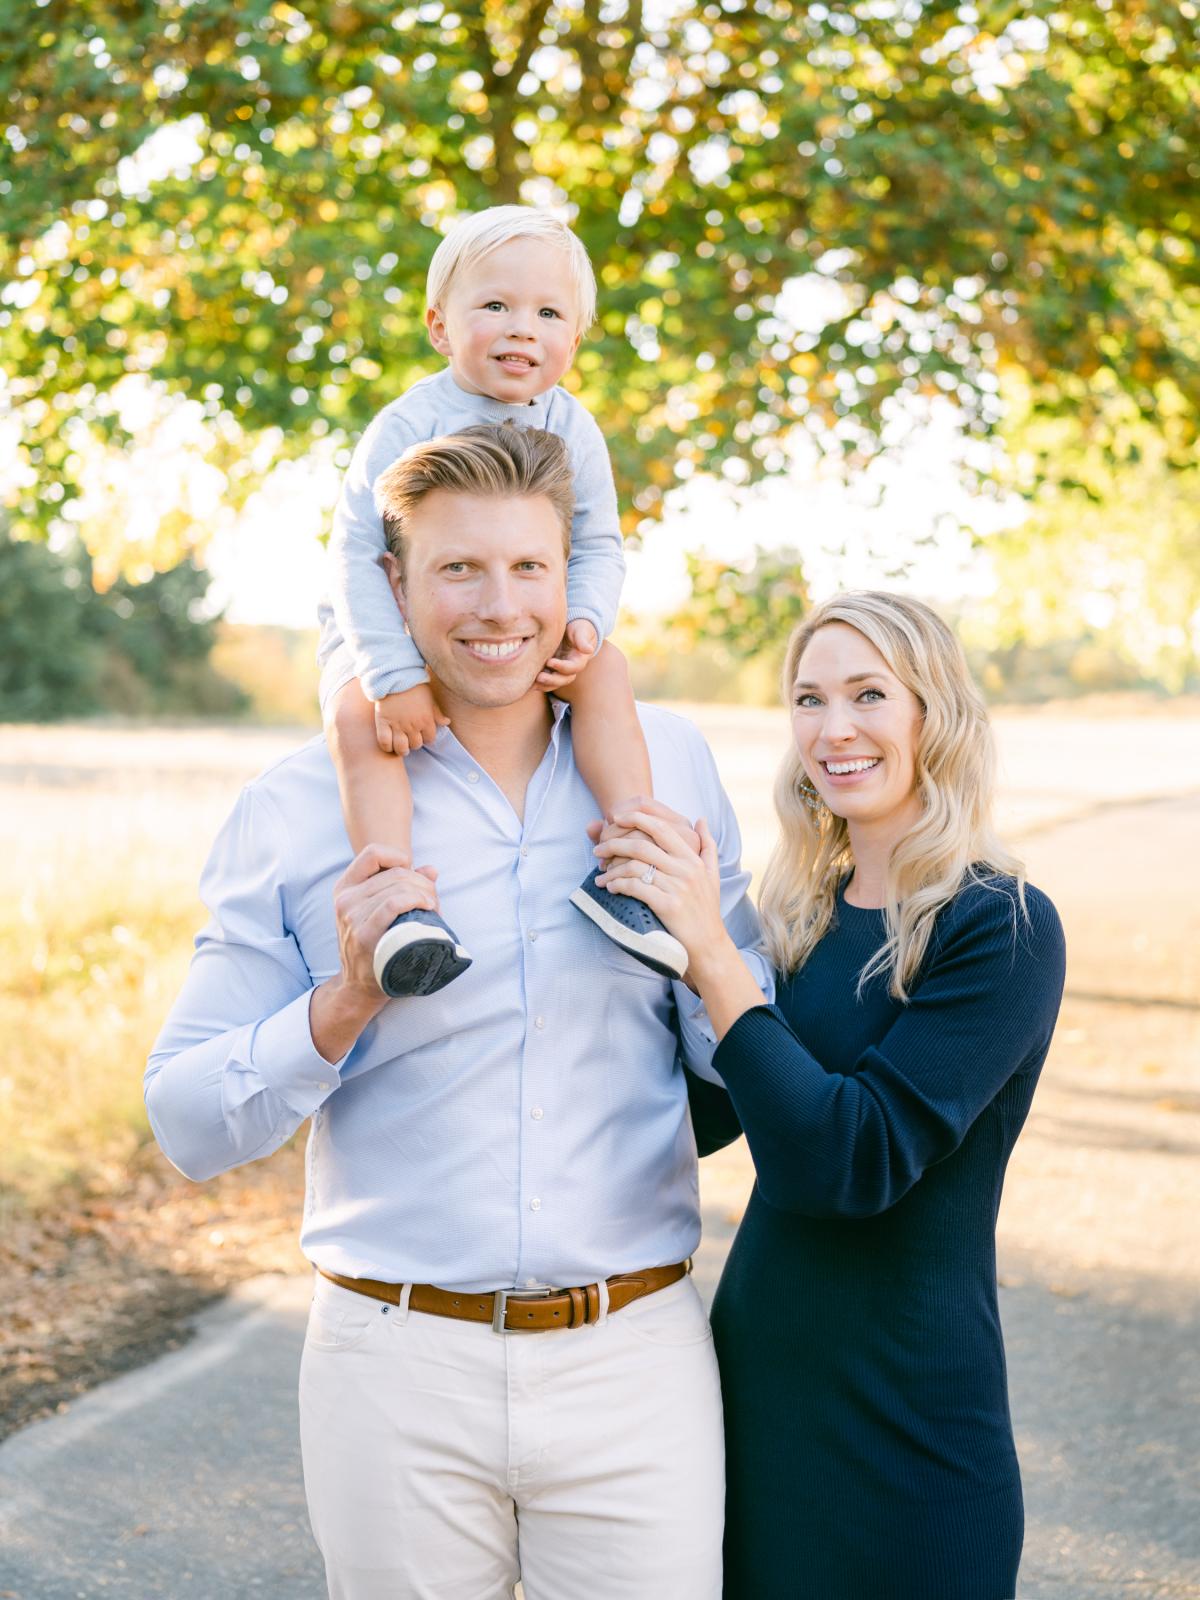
{"points": [[889, 294]]}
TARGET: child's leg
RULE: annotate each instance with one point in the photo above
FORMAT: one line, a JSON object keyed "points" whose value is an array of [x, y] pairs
{"points": [[376, 797], [610, 748], [419, 953], [610, 752]]}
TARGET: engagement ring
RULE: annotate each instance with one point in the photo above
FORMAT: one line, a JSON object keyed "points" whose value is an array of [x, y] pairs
{"points": [[648, 875]]}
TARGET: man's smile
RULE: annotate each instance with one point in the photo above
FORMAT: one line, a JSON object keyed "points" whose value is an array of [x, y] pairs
{"points": [[493, 649]]}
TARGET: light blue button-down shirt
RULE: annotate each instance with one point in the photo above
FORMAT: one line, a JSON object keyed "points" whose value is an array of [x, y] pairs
{"points": [[528, 1123]]}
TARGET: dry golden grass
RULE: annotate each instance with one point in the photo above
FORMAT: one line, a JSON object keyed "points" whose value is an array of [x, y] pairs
{"points": [[98, 906]]}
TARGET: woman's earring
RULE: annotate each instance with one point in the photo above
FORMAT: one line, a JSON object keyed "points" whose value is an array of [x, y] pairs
{"points": [[808, 793]]}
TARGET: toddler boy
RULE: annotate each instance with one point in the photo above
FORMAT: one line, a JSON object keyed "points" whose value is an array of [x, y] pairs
{"points": [[510, 293]]}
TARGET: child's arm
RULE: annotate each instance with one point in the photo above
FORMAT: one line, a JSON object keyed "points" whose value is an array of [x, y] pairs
{"points": [[596, 569], [375, 794], [385, 659]]}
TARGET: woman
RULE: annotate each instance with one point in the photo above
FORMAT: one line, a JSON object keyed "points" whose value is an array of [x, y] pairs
{"points": [[870, 1451]]}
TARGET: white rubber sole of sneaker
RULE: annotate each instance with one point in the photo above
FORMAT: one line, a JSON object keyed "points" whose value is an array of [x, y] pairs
{"points": [[660, 948], [396, 939]]}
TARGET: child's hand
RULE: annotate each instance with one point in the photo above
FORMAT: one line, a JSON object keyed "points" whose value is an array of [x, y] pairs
{"points": [[578, 647], [406, 721]]}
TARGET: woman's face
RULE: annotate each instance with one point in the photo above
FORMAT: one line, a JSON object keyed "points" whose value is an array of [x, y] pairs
{"points": [[856, 728]]}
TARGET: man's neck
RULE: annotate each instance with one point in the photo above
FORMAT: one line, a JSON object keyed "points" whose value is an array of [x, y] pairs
{"points": [[508, 742]]}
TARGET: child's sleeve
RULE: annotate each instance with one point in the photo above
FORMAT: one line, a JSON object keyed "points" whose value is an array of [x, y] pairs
{"points": [[384, 658], [596, 569]]}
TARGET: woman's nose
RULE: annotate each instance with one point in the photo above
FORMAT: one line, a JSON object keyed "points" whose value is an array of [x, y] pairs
{"points": [[839, 724]]}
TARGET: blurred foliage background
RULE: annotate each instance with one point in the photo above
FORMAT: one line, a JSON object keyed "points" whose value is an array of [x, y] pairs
{"points": [[812, 224]]}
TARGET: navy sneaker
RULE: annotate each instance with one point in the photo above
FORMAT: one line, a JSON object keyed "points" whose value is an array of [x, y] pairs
{"points": [[632, 925], [418, 954]]}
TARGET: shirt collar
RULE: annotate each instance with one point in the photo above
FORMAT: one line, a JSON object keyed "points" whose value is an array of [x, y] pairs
{"points": [[446, 746]]}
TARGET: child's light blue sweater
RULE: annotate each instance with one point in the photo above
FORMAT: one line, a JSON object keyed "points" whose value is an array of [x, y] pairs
{"points": [[362, 635]]}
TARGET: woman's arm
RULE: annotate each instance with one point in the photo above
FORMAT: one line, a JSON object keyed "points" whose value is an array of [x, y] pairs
{"points": [[684, 892], [832, 1144], [852, 1145]]}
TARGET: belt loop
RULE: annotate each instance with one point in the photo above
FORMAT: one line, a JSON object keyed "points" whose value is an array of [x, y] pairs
{"points": [[406, 1290], [602, 1318]]}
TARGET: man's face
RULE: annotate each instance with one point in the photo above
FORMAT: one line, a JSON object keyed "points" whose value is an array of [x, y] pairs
{"points": [[484, 592]]}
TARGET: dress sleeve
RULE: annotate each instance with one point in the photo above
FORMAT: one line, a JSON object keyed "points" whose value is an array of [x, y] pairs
{"points": [[829, 1144]]}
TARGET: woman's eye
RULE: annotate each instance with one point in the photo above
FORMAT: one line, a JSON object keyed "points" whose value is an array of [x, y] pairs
{"points": [[874, 694], [806, 700]]}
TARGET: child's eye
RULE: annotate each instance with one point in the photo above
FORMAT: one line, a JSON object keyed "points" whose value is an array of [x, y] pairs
{"points": [[494, 305], [549, 311]]}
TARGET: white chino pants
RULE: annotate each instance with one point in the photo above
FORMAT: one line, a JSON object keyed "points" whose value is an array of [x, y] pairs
{"points": [[443, 1461]]}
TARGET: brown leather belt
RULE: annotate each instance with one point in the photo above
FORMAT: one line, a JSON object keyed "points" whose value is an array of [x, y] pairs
{"points": [[521, 1310]]}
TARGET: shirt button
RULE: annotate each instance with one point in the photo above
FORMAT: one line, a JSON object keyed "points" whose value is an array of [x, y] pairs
{"points": [[539, 1022], [524, 850], [537, 1113], [533, 935], [472, 777], [535, 1205]]}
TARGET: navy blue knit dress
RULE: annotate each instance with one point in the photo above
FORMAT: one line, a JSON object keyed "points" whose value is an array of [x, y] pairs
{"points": [[869, 1448]]}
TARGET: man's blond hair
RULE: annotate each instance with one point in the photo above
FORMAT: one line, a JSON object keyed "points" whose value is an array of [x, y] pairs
{"points": [[477, 235], [491, 458]]}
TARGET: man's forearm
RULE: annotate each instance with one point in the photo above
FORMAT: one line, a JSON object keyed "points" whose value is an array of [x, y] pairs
{"points": [[337, 1015]]}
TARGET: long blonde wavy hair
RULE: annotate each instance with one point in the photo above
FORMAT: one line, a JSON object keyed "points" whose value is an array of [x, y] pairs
{"points": [[954, 841]]}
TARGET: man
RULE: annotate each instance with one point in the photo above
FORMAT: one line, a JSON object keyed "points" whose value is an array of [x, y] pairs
{"points": [[523, 1129]]}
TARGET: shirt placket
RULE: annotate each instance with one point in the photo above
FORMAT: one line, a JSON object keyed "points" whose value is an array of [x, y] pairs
{"points": [[536, 1196]]}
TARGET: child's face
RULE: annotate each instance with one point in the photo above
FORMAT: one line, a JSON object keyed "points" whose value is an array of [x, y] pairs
{"points": [[509, 327]]}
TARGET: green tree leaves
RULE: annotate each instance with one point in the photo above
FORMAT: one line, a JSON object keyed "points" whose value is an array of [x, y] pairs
{"points": [[239, 201]]}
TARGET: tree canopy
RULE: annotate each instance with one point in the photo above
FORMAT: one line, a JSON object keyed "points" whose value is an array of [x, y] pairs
{"points": [[800, 214]]}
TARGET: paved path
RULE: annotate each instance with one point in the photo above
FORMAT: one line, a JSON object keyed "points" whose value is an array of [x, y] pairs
{"points": [[183, 1479]]}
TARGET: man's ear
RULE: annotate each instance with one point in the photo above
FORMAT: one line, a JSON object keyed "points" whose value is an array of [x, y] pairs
{"points": [[438, 337], [395, 579]]}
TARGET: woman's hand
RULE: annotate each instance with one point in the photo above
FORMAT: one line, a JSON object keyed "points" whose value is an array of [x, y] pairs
{"points": [[684, 892], [684, 887]]}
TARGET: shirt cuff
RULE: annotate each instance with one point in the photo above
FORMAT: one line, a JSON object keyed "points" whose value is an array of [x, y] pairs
{"points": [[588, 614], [284, 1056], [394, 680], [696, 1033]]}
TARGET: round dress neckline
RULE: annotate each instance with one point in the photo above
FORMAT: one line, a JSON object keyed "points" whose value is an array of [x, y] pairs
{"points": [[848, 905]]}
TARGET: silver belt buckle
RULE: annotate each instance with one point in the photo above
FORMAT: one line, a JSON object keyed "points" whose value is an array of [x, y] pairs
{"points": [[503, 1296]]}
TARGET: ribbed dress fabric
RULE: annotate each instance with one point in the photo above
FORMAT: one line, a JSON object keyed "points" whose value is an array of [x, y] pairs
{"points": [[870, 1453]]}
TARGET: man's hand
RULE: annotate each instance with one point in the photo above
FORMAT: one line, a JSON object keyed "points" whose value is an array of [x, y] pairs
{"points": [[579, 645], [406, 721], [372, 892]]}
